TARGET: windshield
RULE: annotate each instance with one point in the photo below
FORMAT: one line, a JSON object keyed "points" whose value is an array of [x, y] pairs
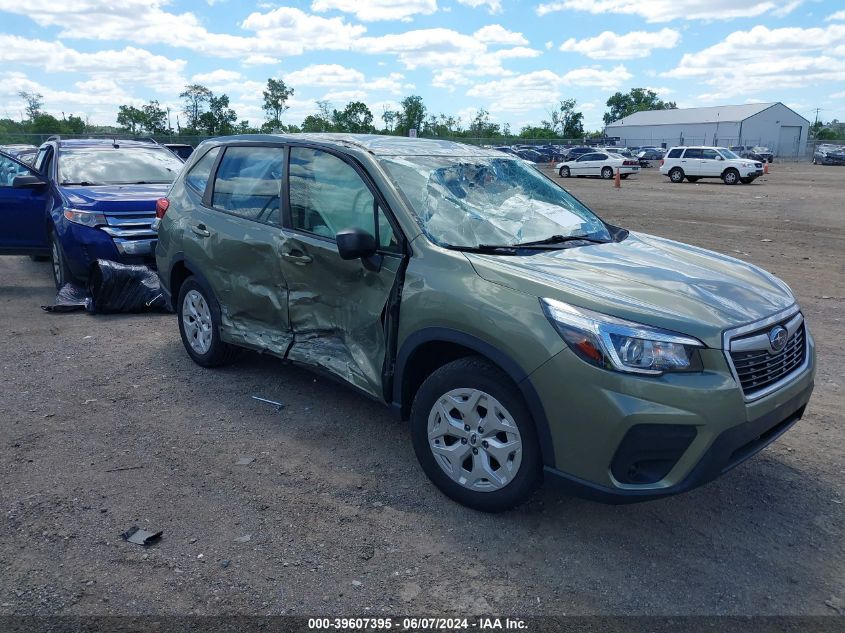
{"points": [[727, 153], [471, 201], [107, 165]]}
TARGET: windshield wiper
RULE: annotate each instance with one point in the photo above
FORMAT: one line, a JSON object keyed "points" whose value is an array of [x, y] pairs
{"points": [[560, 239], [81, 183]]}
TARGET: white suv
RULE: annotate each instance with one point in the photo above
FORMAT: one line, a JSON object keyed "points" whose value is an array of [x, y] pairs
{"points": [[697, 162]]}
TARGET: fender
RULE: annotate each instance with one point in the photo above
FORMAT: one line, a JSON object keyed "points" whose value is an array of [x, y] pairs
{"points": [[179, 258], [507, 364]]}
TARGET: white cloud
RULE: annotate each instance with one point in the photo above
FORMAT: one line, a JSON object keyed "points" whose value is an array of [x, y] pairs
{"points": [[217, 77], [839, 15], [129, 64], [260, 60], [667, 10], [345, 96], [324, 75], [609, 45], [493, 6], [497, 34], [373, 10], [805, 57]]}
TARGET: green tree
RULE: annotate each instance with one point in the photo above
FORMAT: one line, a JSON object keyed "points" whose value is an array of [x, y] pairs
{"points": [[45, 124], [130, 118], [565, 121], [390, 117], [482, 127], [34, 103], [411, 116], [220, 118], [196, 98], [155, 118], [73, 125], [275, 100], [355, 117], [637, 100]]}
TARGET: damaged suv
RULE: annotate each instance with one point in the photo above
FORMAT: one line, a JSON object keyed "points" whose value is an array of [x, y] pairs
{"points": [[522, 336]]}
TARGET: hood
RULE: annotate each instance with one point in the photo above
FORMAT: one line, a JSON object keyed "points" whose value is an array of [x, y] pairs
{"points": [[647, 279], [115, 198]]}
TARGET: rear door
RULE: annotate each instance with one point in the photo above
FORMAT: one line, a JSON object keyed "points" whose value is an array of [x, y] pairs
{"points": [[233, 238], [23, 210], [691, 162], [338, 309]]}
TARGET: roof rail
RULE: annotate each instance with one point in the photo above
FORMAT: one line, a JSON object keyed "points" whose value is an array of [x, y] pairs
{"points": [[53, 137]]}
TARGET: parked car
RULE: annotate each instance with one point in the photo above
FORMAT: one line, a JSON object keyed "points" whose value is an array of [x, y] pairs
{"points": [[746, 151], [694, 163], [84, 200], [829, 155], [22, 152], [600, 164], [649, 154], [766, 155], [574, 152], [182, 150], [521, 335]]}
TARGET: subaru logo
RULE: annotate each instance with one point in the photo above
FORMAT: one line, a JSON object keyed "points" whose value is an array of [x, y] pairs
{"points": [[777, 338]]}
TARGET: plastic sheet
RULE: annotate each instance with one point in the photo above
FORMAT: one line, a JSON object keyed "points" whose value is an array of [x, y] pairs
{"points": [[113, 288]]}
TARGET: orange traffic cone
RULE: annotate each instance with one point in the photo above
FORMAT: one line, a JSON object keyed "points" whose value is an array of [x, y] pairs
{"points": [[766, 167], [617, 179]]}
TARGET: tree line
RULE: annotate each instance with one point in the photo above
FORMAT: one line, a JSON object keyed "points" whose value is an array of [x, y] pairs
{"points": [[204, 113]]}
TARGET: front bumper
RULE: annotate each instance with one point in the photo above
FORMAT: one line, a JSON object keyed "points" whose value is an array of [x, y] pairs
{"points": [[594, 414], [83, 245]]}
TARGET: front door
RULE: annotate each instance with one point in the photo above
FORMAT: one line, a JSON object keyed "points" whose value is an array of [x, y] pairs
{"points": [[711, 163], [23, 211], [337, 308]]}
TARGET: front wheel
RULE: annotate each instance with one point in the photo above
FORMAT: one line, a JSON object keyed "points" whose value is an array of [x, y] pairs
{"points": [[199, 325], [676, 175], [730, 177], [61, 269], [564, 172], [474, 437], [607, 173]]}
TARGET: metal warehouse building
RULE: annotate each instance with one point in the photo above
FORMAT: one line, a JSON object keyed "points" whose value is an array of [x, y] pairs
{"points": [[769, 124]]}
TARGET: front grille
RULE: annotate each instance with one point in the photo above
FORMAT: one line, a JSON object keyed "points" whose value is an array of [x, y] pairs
{"points": [[757, 369], [131, 226]]}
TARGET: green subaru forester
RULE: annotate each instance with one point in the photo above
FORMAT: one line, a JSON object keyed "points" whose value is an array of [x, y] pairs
{"points": [[522, 336]]}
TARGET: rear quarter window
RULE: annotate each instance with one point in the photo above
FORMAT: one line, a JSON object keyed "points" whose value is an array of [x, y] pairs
{"points": [[197, 178], [675, 153]]}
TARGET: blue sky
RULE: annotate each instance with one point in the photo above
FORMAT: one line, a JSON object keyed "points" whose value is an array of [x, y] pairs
{"points": [[515, 58]]}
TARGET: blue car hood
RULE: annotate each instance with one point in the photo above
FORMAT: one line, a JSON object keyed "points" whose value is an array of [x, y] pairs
{"points": [[114, 198]]}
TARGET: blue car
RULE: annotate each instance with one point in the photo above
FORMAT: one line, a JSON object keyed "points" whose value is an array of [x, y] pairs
{"points": [[84, 200]]}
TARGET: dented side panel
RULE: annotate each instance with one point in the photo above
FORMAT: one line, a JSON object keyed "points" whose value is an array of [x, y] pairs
{"points": [[337, 310]]}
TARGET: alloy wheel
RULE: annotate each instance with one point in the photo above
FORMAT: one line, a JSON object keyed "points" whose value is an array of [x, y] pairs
{"points": [[196, 320]]}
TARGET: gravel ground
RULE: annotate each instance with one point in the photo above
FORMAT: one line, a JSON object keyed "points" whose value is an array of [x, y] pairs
{"points": [[105, 423]]}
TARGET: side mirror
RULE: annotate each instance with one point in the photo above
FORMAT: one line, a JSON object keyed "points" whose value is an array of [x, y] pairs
{"points": [[355, 244], [719, 157], [28, 182]]}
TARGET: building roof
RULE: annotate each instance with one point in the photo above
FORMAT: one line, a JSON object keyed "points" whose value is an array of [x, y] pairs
{"points": [[684, 116]]}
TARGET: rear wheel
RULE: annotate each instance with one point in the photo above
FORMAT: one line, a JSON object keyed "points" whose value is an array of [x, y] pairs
{"points": [[730, 177], [692, 178], [474, 436], [564, 172], [607, 173], [624, 176], [199, 325], [61, 270], [676, 174]]}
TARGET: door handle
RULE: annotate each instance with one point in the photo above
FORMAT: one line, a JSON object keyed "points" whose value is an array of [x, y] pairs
{"points": [[298, 257], [200, 230]]}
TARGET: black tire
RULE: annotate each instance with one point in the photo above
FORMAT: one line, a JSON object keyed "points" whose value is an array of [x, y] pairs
{"points": [[607, 173], [564, 172], [474, 372], [730, 176], [218, 353], [746, 181], [40, 258], [624, 176], [676, 175], [61, 270], [693, 178]]}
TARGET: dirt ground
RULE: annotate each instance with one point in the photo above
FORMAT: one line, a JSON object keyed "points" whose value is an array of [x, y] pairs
{"points": [[105, 423]]}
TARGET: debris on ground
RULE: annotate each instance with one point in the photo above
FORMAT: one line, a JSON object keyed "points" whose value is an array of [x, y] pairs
{"points": [[246, 538], [244, 461], [141, 537], [279, 406]]}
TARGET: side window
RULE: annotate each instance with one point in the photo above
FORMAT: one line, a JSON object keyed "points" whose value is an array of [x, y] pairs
{"points": [[601, 156], [42, 162], [9, 170], [327, 195], [709, 154], [692, 153], [198, 176], [675, 153], [248, 183]]}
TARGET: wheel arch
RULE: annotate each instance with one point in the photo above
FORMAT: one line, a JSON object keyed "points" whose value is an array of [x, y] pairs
{"points": [[428, 349], [179, 271]]}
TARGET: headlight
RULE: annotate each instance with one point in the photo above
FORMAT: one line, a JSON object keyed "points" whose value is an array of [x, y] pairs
{"points": [[620, 345], [86, 218]]}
